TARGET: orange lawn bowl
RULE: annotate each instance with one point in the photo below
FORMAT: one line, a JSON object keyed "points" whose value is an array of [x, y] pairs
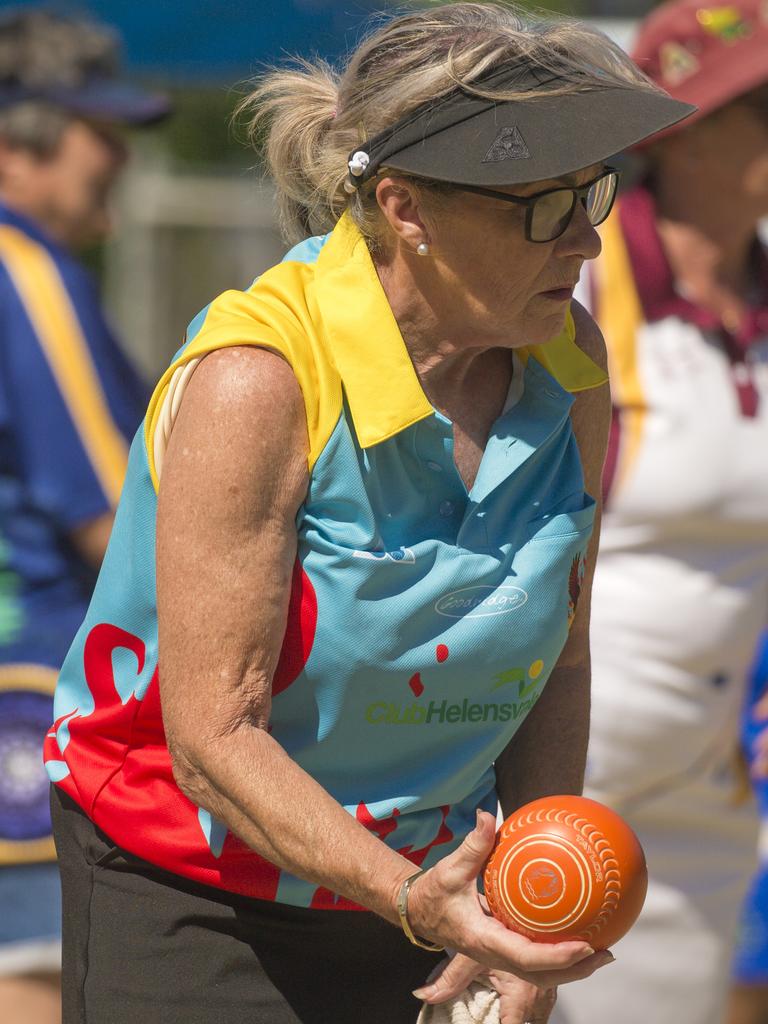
{"points": [[566, 867]]}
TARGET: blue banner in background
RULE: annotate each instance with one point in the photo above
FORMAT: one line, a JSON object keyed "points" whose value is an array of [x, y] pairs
{"points": [[225, 39]]}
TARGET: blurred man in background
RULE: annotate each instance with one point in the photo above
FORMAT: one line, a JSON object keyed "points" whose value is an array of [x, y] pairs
{"points": [[69, 404], [681, 591]]}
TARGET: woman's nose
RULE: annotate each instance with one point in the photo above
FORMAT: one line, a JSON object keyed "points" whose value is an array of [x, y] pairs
{"points": [[580, 237]]}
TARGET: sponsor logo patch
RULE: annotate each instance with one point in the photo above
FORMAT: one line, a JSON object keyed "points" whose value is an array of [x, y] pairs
{"points": [[481, 601], [443, 712]]}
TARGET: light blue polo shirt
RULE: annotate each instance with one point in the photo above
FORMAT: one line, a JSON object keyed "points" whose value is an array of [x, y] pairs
{"points": [[424, 618]]}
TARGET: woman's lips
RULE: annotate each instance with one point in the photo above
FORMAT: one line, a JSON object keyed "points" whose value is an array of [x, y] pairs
{"points": [[558, 294]]}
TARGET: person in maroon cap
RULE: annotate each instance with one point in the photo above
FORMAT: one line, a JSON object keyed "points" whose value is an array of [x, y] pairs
{"points": [[681, 590]]}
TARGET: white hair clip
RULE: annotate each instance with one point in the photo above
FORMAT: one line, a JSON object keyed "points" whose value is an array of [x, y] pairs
{"points": [[358, 163]]}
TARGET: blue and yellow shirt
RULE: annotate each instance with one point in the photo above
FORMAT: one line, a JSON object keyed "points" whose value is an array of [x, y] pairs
{"points": [[424, 619], [69, 404]]}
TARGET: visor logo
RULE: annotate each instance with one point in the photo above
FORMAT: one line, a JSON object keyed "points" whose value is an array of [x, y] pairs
{"points": [[509, 144]]}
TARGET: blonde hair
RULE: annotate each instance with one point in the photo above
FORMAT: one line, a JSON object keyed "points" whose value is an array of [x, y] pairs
{"points": [[310, 116]]}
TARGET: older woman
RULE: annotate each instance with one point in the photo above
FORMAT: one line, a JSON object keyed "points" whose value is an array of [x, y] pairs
{"points": [[369, 477]]}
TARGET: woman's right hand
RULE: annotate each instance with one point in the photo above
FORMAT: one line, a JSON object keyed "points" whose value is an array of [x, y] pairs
{"points": [[444, 906]]}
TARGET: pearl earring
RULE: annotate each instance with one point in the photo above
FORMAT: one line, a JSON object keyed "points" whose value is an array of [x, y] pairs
{"points": [[422, 249]]}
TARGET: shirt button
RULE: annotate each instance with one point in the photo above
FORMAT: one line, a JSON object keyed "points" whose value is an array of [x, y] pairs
{"points": [[446, 509], [434, 466]]}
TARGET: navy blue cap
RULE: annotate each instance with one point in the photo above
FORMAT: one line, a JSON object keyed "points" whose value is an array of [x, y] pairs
{"points": [[102, 99]]}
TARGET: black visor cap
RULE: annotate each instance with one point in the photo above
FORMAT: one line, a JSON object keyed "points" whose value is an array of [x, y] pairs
{"points": [[471, 140]]}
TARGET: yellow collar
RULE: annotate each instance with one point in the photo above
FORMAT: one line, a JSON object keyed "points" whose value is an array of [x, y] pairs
{"points": [[382, 389]]}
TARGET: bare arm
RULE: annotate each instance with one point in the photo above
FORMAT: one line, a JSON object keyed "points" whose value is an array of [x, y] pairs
{"points": [[233, 478]]}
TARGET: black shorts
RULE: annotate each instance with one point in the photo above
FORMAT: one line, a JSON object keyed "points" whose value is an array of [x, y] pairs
{"points": [[143, 946]]}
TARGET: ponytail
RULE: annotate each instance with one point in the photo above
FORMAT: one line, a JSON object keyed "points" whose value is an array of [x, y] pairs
{"points": [[296, 109]]}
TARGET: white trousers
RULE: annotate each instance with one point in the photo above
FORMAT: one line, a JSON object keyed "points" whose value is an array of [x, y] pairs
{"points": [[673, 967]]}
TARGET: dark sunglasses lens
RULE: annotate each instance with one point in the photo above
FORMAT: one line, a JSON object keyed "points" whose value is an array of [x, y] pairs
{"points": [[600, 198], [552, 214]]}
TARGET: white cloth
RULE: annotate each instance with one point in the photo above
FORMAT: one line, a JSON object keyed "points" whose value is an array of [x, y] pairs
{"points": [[680, 599], [673, 966], [479, 1004]]}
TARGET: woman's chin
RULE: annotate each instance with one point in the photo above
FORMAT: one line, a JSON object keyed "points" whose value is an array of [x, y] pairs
{"points": [[544, 328]]}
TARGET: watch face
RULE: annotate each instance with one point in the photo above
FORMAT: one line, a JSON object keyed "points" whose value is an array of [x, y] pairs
{"points": [[25, 717]]}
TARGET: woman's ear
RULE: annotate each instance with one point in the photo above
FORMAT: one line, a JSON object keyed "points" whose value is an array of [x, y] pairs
{"points": [[400, 205]]}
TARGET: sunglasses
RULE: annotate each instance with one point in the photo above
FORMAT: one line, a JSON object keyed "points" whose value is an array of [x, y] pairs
{"points": [[548, 213]]}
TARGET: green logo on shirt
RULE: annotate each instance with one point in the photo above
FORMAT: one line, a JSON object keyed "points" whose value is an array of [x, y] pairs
{"points": [[441, 712]]}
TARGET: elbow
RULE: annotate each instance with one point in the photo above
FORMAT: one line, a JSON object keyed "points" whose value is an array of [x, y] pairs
{"points": [[205, 749], [189, 772]]}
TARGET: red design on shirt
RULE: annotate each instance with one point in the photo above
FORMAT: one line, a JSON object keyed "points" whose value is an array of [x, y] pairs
{"points": [[381, 828], [299, 631], [121, 772], [98, 740], [121, 775], [416, 684]]}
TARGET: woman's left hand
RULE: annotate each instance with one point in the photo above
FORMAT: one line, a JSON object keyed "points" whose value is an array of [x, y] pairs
{"points": [[521, 1002]]}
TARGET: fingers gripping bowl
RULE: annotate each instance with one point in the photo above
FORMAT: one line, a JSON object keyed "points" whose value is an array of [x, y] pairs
{"points": [[566, 867]]}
